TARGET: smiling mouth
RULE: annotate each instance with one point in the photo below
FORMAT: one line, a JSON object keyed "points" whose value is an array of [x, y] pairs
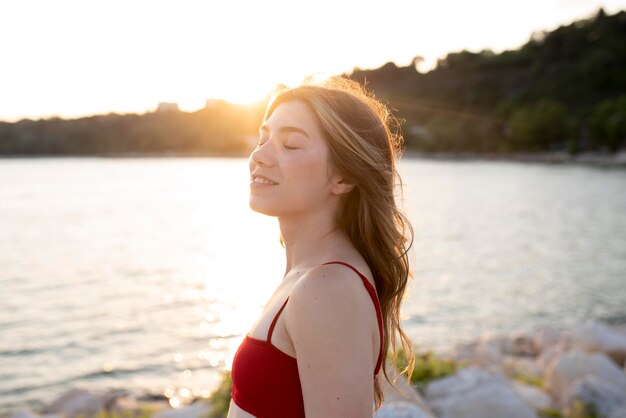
{"points": [[262, 180]]}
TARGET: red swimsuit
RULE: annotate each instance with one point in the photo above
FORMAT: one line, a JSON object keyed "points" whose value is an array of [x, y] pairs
{"points": [[266, 382]]}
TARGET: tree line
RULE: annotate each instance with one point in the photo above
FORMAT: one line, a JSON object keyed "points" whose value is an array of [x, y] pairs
{"points": [[564, 90], [220, 129]]}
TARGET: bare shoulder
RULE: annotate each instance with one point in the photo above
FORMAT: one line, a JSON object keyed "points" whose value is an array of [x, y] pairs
{"points": [[331, 322], [330, 283], [328, 294]]}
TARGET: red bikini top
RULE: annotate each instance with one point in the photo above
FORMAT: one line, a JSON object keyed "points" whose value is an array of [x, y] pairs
{"points": [[266, 383]]}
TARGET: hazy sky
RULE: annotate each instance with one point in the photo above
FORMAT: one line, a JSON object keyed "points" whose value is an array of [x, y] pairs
{"points": [[73, 58]]}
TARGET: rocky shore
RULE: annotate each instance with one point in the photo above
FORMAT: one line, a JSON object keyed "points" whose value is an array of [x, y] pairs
{"points": [[575, 373]]}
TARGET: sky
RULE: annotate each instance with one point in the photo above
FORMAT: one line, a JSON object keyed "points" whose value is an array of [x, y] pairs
{"points": [[72, 58]]}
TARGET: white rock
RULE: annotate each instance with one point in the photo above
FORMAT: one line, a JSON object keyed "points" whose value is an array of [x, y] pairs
{"points": [[602, 396], [566, 340], [485, 352], [75, 402], [462, 381], [563, 373], [546, 337], [195, 410], [549, 355], [533, 396], [618, 413], [475, 393], [27, 413], [401, 409], [520, 344], [593, 336], [403, 392], [24, 413], [462, 352], [526, 366]]}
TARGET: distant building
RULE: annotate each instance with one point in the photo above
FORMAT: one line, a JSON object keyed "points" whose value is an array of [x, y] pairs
{"points": [[167, 107]]}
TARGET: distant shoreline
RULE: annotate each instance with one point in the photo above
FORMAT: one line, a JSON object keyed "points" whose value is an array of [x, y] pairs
{"points": [[597, 159], [589, 158]]}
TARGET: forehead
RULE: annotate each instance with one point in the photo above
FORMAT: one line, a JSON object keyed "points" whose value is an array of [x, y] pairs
{"points": [[293, 113]]}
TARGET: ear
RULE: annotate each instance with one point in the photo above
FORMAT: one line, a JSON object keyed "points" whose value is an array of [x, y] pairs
{"points": [[341, 185]]}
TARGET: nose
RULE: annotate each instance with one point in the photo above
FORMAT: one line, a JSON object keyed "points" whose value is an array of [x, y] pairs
{"points": [[262, 156]]}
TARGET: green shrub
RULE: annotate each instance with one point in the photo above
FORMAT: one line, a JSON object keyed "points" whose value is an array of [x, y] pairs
{"points": [[220, 398], [544, 126], [608, 124], [529, 380], [428, 367], [549, 413]]}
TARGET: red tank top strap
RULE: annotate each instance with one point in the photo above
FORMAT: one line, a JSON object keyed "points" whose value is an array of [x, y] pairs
{"points": [[269, 334], [379, 315]]}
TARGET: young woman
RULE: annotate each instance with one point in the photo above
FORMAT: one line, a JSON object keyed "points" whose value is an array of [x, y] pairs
{"points": [[325, 166]]}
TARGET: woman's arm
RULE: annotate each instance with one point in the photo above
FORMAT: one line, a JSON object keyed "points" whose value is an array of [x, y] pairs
{"points": [[331, 321]]}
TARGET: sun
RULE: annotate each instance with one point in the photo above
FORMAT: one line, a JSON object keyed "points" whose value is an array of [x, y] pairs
{"points": [[233, 88]]}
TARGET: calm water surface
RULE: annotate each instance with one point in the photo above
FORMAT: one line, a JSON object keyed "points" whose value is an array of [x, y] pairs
{"points": [[145, 274]]}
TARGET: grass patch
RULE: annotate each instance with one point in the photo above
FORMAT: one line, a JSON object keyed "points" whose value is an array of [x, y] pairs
{"points": [[220, 398], [142, 412], [529, 380], [549, 413], [428, 366]]}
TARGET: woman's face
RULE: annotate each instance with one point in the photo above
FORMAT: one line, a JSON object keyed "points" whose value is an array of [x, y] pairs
{"points": [[293, 156]]}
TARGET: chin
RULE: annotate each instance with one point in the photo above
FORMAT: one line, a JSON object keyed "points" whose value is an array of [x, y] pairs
{"points": [[263, 209]]}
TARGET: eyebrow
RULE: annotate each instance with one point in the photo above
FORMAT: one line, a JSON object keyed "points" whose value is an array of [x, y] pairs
{"points": [[286, 129]]}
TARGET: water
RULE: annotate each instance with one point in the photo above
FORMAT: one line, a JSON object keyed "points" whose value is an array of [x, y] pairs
{"points": [[145, 274]]}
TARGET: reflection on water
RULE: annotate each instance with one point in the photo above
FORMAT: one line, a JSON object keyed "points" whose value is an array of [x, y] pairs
{"points": [[145, 274], [505, 246]]}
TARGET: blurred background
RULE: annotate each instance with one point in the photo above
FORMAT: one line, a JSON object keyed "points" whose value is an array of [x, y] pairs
{"points": [[129, 257]]}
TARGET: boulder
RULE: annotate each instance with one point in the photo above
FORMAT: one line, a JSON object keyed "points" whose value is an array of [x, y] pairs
{"points": [[401, 409], [564, 372], [403, 392], [526, 366], [533, 396], [593, 336], [76, 402], [131, 407], [194, 410], [28, 413], [618, 413], [476, 393], [485, 352], [603, 398], [519, 344], [550, 354], [545, 337]]}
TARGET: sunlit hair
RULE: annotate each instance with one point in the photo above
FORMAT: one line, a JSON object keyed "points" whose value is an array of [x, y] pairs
{"points": [[365, 143]]}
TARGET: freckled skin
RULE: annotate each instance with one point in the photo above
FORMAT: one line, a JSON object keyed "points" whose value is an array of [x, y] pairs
{"points": [[302, 173]]}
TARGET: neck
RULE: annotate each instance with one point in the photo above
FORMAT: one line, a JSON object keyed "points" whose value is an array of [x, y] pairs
{"points": [[309, 239]]}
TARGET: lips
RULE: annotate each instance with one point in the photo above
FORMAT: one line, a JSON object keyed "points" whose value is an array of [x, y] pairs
{"points": [[261, 179]]}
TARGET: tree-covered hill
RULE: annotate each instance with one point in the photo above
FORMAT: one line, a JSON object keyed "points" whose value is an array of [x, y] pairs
{"points": [[562, 90]]}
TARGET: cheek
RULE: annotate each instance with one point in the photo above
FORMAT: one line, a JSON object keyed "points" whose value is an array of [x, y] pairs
{"points": [[310, 170]]}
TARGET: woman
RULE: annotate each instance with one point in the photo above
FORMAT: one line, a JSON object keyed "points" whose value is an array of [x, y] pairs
{"points": [[325, 165]]}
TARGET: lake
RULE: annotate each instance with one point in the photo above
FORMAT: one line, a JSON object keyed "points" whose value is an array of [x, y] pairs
{"points": [[146, 273]]}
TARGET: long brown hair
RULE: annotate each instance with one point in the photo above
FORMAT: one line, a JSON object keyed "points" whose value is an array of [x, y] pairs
{"points": [[365, 143]]}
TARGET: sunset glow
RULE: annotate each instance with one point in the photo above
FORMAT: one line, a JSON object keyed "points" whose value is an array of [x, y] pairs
{"points": [[73, 58]]}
